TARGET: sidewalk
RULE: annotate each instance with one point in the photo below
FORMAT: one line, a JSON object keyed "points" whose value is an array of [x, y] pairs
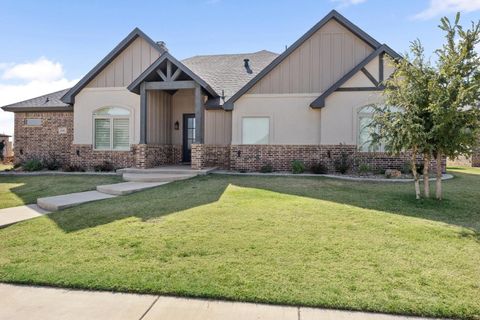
{"points": [[12, 215], [26, 302]]}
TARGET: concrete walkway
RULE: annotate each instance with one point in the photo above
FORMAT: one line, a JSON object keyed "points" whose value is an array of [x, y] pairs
{"points": [[9, 216], [25, 302]]}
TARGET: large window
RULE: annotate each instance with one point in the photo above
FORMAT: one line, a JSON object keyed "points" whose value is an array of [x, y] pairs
{"points": [[365, 131], [111, 128], [255, 130]]}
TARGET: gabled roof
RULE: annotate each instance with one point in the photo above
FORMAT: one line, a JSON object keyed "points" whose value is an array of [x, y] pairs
{"points": [[320, 101], [151, 70], [332, 15], [69, 97], [227, 72], [47, 102]]}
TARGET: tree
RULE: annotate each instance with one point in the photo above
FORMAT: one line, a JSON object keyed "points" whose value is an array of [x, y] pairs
{"points": [[402, 123], [2, 146], [455, 98]]}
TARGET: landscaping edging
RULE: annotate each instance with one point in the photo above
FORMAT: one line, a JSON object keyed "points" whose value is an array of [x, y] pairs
{"points": [[445, 176], [59, 173]]}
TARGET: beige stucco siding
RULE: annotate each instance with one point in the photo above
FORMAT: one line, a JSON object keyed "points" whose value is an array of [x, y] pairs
{"points": [[218, 127], [324, 58], [182, 102], [159, 117], [91, 99], [292, 121], [339, 116], [127, 66]]}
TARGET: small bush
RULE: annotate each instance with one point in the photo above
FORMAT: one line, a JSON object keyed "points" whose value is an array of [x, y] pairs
{"points": [[343, 164], [106, 166], [298, 166], [420, 167], [380, 171], [266, 168], [406, 167], [319, 168], [72, 168], [364, 168], [52, 163], [32, 165]]}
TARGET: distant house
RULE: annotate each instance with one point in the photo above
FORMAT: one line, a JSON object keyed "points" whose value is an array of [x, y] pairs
{"points": [[8, 148], [142, 107]]}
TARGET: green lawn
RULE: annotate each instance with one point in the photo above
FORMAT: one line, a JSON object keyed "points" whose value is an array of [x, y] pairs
{"points": [[299, 241], [19, 190]]}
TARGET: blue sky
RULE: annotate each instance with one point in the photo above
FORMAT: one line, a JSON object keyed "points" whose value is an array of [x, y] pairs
{"points": [[48, 45]]}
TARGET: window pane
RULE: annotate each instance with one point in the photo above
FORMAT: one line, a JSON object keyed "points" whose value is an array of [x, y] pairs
{"points": [[365, 134], [33, 122], [102, 133], [112, 111], [255, 130], [120, 134]]}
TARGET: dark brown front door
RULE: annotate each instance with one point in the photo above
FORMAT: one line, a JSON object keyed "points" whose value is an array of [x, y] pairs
{"points": [[188, 136]]}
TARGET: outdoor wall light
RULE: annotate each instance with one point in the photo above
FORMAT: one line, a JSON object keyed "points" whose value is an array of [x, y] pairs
{"points": [[78, 153], [176, 125], [21, 151]]}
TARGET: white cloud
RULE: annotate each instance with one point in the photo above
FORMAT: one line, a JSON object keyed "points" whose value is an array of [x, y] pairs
{"points": [[32, 80], [41, 69], [440, 7], [346, 3]]}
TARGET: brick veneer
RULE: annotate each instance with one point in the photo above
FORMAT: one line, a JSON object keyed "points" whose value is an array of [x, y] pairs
{"points": [[43, 141], [154, 155], [209, 155], [476, 158], [253, 157], [85, 156]]}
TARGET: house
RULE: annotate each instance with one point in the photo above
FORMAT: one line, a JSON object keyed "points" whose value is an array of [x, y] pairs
{"points": [[7, 150], [142, 107]]}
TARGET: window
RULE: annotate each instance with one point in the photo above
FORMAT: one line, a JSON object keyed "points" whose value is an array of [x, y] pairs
{"points": [[255, 130], [365, 131], [111, 128], [33, 122]]}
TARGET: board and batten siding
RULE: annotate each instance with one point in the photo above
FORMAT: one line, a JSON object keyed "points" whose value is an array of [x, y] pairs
{"points": [[218, 127], [319, 62], [127, 66], [159, 117]]}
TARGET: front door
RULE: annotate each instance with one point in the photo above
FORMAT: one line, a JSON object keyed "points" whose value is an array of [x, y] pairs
{"points": [[188, 136]]}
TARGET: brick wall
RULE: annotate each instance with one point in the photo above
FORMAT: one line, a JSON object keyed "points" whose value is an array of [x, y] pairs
{"points": [[476, 158], [154, 155], [209, 155], [85, 156], [43, 141]]}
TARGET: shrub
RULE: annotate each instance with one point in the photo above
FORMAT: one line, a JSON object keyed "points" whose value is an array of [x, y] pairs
{"points": [[406, 167], [420, 167], [72, 168], [106, 166], [380, 171], [343, 164], [298, 166], [32, 165], [266, 168], [364, 168], [52, 163], [319, 168]]}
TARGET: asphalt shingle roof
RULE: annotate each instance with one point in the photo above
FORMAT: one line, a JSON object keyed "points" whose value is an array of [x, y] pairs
{"points": [[47, 101], [227, 71]]}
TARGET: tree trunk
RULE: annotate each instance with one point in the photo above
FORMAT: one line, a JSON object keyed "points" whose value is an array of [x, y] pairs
{"points": [[426, 174], [438, 181], [415, 174]]}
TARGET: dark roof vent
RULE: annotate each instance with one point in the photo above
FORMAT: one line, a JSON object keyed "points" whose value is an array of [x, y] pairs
{"points": [[162, 45], [247, 65]]}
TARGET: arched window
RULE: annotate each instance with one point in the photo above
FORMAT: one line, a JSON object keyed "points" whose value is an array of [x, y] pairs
{"points": [[365, 131], [111, 126]]}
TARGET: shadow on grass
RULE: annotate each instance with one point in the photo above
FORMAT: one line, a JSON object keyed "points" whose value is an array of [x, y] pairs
{"points": [[460, 206]]}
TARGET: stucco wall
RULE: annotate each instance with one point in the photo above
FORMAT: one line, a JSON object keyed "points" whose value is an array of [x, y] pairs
{"points": [[182, 102], [292, 121], [91, 99], [218, 127]]}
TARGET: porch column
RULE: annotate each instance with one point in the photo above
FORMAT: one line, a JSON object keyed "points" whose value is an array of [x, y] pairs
{"points": [[143, 114], [199, 112]]}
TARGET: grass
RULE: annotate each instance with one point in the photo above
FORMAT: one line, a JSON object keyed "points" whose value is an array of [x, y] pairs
{"points": [[4, 167], [20, 190], [297, 241]]}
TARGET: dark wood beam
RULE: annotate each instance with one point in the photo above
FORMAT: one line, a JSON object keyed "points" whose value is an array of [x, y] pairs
{"points": [[370, 77], [199, 112], [176, 74], [143, 114], [380, 67], [169, 70], [171, 85], [162, 75], [361, 89]]}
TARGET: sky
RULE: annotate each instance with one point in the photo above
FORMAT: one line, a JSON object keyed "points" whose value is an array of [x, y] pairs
{"points": [[47, 46]]}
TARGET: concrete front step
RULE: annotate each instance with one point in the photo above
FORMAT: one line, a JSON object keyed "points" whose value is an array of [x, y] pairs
{"points": [[168, 170], [156, 177], [69, 200], [124, 188]]}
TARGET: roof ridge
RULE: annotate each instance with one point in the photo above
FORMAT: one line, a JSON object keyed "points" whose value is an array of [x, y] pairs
{"points": [[228, 54]]}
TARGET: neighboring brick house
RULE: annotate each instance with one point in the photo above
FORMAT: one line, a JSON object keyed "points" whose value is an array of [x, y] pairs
{"points": [[141, 107], [7, 150]]}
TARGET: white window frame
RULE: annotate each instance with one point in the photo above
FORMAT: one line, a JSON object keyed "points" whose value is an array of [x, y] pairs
{"points": [[362, 113], [111, 119], [33, 125], [257, 117]]}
